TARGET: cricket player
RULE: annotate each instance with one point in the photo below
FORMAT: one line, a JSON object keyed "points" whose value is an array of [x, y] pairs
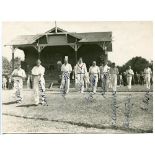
{"points": [[39, 83], [80, 73], [120, 80], [94, 73], [129, 74], [66, 69], [86, 80], [18, 75], [104, 72], [10, 83], [4, 81], [147, 76], [113, 74]]}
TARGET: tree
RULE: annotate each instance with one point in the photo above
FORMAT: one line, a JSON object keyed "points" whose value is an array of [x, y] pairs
{"points": [[138, 64], [6, 66], [17, 60], [151, 65]]}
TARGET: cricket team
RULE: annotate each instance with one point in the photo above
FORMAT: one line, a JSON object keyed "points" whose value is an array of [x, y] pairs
{"points": [[83, 79]]}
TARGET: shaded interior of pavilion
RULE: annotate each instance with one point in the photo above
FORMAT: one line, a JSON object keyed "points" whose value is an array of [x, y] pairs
{"points": [[51, 55]]}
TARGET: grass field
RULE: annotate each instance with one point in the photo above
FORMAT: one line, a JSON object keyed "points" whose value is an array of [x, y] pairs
{"points": [[76, 114]]}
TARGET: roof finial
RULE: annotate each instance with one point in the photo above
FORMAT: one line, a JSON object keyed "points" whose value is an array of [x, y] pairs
{"points": [[55, 27]]}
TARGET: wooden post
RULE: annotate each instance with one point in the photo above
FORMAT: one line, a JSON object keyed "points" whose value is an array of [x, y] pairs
{"points": [[76, 48], [106, 55], [13, 55], [104, 47], [39, 50], [56, 27]]}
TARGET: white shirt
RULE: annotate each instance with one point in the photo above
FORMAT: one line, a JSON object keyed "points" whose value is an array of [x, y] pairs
{"points": [[104, 69], [147, 71], [18, 74], [38, 70], [114, 71], [66, 68], [129, 72], [80, 68], [120, 76], [4, 80], [94, 70]]}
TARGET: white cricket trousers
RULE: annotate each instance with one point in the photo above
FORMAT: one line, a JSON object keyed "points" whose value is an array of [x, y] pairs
{"points": [[18, 90], [80, 81], [65, 82], [129, 80], [94, 81], [114, 82], [147, 79], [104, 80], [39, 89]]}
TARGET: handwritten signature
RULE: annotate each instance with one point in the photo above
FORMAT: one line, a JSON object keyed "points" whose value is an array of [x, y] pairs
{"points": [[128, 111], [42, 91]]}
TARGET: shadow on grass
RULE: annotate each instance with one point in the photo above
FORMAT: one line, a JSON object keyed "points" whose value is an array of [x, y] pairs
{"points": [[9, 103], [27, 105], [86, 125]]}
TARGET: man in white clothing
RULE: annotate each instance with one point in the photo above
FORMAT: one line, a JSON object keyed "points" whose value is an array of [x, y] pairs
{"points": [[80, 73], [94, 72], [104, 72], [129, 74], [39, 83], [113, 74], [4, 81], [66, 69], [18, 75], [147, 76]]}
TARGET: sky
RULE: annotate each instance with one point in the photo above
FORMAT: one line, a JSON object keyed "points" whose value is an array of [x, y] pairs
{"points": [[130, 39]]}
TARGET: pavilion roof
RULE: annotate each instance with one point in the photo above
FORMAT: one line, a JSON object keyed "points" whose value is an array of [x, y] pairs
{"points": [[82, 37]]}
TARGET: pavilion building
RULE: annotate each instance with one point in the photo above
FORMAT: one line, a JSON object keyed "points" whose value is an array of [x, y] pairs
{"points": [[52, 46]]}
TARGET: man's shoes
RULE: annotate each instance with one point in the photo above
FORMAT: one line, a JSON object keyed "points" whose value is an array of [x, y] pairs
{"points": [[103, 93], [94, 92], [36, 104], [19, 103], [44, 104], [114, 93], [145, 109]]}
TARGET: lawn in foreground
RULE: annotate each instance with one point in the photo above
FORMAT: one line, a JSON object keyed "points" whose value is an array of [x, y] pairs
{"points": [[75, 110]]}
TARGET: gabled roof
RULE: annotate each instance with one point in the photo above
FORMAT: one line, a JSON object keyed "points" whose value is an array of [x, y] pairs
{"points": [[54, 29], [30, 39], [82, 37], [94, 36], [25, 39]]}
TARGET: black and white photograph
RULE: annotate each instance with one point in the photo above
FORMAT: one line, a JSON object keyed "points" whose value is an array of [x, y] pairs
{"points": [[77, 77]]}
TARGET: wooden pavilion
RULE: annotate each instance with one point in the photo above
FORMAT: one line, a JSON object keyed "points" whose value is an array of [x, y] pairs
{"points": [[52, 46]]}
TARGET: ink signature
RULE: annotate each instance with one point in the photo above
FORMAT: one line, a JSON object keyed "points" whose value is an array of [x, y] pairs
{"points": [[42, 91], [128, 111]]}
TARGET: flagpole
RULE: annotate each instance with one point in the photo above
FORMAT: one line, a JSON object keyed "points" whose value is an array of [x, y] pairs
{"points": [[55, 27]]}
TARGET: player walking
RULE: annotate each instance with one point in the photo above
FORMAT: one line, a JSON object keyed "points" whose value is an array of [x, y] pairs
{"points": [[129, 74], [18, 75], [39, 83], [104, 73], [113, 74], [80, 73], [94, 72], [147, 76], [66, 69]]}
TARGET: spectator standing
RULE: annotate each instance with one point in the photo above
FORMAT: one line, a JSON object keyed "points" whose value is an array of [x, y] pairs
{"points": [[129, 73]]}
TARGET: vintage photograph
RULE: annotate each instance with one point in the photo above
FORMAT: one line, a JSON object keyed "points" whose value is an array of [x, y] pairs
{"points": [[77, 77]]}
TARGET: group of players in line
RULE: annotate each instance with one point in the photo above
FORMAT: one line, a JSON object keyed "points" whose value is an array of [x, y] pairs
{"points": [[83, 79]]}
